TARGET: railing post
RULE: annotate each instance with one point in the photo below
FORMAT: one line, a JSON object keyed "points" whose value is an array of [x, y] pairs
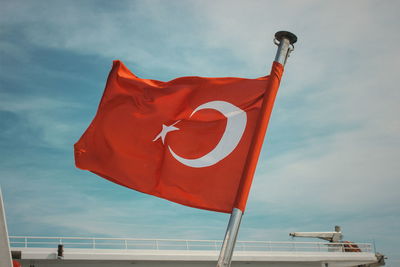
{"points": [[187, 245], [126, 244], [94, 243], [26, 242], [157, 244]]}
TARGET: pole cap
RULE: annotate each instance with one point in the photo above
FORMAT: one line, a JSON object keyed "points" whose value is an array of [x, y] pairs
{"points": [[288, 35]]}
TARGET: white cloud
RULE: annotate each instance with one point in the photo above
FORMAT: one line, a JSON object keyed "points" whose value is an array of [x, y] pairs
{"points": [[343, 173], [42, 114]]}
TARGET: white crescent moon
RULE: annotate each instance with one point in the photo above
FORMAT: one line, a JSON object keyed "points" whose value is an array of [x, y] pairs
{"points": [[235, 126]]}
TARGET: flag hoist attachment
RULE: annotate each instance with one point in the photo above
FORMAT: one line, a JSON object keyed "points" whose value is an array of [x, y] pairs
{"points": [[284, 40]]}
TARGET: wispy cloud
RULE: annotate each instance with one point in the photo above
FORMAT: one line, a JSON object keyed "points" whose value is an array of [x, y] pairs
{"points": [[42, 116]]}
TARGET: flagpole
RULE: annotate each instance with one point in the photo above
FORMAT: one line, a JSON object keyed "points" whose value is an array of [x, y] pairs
{"points": [[284, 40], [5, 255]]}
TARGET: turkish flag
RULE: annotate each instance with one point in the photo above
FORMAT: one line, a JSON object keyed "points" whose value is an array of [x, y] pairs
{"points": [[186, 140]]}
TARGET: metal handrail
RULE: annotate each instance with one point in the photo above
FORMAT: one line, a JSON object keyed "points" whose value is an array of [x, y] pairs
{"points": [[183, 244]]}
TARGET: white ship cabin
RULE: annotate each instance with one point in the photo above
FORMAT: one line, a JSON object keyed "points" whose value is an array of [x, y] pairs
{"points": [[78, 251]]}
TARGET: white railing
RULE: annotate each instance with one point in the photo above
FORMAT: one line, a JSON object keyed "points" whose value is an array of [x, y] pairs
{"points": [[179, 244]]}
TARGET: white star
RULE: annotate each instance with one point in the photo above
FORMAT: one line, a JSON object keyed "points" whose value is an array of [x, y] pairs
{"points": [[166, 129]]}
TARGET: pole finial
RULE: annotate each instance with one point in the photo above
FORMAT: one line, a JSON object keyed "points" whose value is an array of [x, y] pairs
{"points": [[287, 35], [285, 42]]}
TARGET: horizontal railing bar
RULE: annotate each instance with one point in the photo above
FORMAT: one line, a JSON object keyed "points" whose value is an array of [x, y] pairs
{"points": [[181, 240], [98, 242], [112, 238]]}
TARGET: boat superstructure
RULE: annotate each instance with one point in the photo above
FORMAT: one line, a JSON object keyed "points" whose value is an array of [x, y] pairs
{"points": [[82, 251]]}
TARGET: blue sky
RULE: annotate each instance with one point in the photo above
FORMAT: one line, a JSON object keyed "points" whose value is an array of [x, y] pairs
{"points": [[332, 149]]}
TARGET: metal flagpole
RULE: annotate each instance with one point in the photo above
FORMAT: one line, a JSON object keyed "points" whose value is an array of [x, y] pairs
{"points": [[5, 255], [284, 40]]}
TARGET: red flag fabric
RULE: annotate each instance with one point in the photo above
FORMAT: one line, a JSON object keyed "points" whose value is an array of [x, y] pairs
{"points": [[185, 140]]}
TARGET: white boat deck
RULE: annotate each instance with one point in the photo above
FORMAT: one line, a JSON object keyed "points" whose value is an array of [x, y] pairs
{"points": [[78, 251]]}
